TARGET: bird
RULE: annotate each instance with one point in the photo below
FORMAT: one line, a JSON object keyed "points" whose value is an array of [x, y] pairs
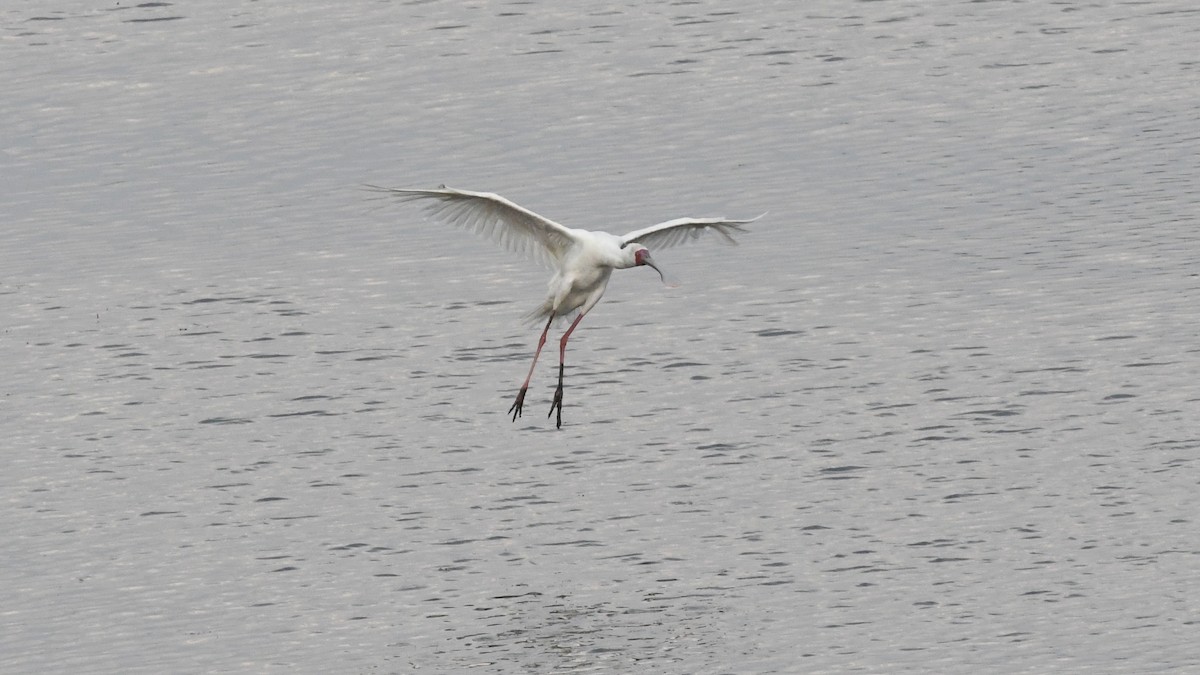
{"points": [[582, 260]]}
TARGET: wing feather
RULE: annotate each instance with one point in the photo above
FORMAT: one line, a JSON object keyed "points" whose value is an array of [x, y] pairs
{"points": [[514, 227], [683, 230]]}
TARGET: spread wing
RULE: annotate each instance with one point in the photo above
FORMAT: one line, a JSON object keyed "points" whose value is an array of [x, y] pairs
{"points": [[513, 227], [682, 230]]}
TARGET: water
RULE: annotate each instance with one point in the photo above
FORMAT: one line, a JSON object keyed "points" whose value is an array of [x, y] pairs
{"points": [[936, 412]]}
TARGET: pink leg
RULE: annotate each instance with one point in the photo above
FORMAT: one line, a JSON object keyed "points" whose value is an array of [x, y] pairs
{"points": [[520, 402], [562, 357]]}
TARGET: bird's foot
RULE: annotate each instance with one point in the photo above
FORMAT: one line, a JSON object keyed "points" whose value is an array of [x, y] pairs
{"points": [[557, 405], [518, 404]]}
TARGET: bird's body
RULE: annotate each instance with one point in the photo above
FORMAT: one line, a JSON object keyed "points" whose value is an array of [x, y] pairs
{"points": [[580, 281], [583, 260]]}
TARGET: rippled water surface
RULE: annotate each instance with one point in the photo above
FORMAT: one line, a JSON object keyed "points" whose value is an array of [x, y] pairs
{"points": [[936, 413]]}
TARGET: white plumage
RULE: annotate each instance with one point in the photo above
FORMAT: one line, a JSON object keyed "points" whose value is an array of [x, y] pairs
{"points": [[582, 260]]}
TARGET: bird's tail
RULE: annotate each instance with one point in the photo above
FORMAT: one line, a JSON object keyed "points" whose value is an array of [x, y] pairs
{"points": [[542, 313]]}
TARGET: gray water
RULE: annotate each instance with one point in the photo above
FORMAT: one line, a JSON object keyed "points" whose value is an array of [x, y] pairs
{"points": [[935, 413]]}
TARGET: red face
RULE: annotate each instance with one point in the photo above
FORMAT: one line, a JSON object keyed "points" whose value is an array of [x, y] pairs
{"points": [[639, 258]]}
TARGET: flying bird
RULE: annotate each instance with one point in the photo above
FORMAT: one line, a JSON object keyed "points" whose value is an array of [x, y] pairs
{"points": [[582, 260]]}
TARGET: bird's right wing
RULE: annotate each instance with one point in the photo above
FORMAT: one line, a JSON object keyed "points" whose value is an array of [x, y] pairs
{"points": [[514, 227]]}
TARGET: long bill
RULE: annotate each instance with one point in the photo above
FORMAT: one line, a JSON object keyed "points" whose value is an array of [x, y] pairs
{"points": [[669, 283]]}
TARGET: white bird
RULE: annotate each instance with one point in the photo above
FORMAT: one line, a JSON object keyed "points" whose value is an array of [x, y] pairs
{"points": [[582, 260]]}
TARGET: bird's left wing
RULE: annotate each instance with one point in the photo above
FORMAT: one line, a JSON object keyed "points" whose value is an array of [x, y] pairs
{"points": [[514, 227], [682, 230]]}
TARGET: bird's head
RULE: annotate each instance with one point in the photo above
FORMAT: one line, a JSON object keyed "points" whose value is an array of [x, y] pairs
{"points": [[642, 257]]}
